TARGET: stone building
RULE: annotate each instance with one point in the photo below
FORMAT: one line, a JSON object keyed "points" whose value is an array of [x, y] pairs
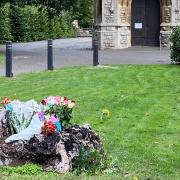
{"points": [[126, 23]]}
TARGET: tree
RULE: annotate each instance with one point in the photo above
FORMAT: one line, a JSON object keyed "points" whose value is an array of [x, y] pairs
{"points": [[85, 13], [81, 10]]}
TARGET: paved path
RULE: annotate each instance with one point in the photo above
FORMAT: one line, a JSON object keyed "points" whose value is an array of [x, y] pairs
{"points": [[31, 57]]}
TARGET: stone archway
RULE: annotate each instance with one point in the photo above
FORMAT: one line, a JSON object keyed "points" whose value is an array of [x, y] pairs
{"points": [[125, 6], [145, 25], [113, 21]]}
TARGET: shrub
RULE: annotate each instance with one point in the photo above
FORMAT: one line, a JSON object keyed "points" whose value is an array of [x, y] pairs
{"points": [[90, 162], [84, 13], [5, 33], [66, 24], [175, 45], [28, 23]]}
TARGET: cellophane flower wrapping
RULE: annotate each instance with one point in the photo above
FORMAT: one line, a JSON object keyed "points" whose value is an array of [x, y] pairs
{"points": [[25, 119], [20, 114]]}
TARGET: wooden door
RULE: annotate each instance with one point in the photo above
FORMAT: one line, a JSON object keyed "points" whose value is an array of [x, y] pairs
{"points": [[145, 22]]}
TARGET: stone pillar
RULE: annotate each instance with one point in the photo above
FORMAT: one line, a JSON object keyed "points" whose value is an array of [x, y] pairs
{"points": [[175, 12], [113, 21], [170, 18], [106, 22], [124, 21], [166, 18]]}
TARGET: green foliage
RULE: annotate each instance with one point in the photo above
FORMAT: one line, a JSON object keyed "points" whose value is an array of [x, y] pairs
{"points": [[5, 33], [27, 23], [65, 20], [63, 113], [61, 26], [42, 19], [79, 9], [175, 47], [27, 169], [90, 162], [85, 13]]}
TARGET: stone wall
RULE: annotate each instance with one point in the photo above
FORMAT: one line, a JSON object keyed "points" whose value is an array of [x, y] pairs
{"points": [[113, 22]]}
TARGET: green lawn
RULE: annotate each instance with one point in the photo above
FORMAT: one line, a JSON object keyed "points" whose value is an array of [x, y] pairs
{"points": [[2, 57], [143, 131]]}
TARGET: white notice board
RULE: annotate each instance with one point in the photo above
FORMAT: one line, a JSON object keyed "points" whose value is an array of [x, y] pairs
{"points": [[138, 25]]}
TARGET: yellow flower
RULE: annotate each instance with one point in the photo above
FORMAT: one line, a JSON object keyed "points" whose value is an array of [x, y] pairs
{"points": [[105, 113], [135, 178]]}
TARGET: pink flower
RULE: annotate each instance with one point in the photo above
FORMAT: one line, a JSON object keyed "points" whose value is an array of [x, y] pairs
{"points": [[53, 119], [66, 102], [57, 100]]}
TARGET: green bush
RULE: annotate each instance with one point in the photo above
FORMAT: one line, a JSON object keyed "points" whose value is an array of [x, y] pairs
{"points": [[66, 25], [90, 162], [5, 33], [28, 23], [84, 13], [16, 23], [175, 45]]}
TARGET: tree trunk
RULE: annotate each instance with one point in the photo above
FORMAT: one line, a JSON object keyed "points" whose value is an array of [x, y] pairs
{"points": [[57, 152]]}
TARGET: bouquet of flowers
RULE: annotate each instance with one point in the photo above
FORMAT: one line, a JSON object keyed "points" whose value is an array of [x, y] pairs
{"points": [[20, 114], [57, 112], [54, 113]]}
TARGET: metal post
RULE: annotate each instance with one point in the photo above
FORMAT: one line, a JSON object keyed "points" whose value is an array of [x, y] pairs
{"points": [[50, 55], [9, 59], [95, 50]]}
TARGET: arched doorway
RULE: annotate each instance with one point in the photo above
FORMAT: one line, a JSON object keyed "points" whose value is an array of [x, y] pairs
{"points": [[145, 22]]}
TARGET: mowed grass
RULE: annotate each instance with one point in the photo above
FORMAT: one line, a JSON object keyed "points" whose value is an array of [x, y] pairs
{"points": [[143, 131]]}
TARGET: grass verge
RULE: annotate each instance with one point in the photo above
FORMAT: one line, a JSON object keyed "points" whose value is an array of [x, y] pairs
{"points": [[143, 131]]}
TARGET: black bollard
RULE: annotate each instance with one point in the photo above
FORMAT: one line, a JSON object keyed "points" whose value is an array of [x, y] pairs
{"points": [[50, 55], [9, 59], [95, 50]]}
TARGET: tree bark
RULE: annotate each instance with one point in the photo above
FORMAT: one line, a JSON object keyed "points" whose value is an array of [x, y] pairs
{"points": [[57, 152]]}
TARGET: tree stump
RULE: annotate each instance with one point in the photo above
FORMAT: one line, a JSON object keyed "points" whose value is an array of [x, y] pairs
{"points": [[5, 130], [57, 152]]}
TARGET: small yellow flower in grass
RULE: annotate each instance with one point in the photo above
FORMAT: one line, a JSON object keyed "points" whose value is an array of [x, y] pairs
{"points": [[105, 113], [135, 178]]}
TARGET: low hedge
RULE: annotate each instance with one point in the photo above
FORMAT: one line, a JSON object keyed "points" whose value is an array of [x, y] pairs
{"points": [[175, 45], [29, 24], [5, 33]]}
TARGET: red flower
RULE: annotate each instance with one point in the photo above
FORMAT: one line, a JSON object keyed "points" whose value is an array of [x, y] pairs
{"points": [[43, 102], [6, 101], [49, 128]]}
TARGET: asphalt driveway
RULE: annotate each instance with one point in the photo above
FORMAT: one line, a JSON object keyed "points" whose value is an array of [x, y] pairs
{"points": [[32, 56]]}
